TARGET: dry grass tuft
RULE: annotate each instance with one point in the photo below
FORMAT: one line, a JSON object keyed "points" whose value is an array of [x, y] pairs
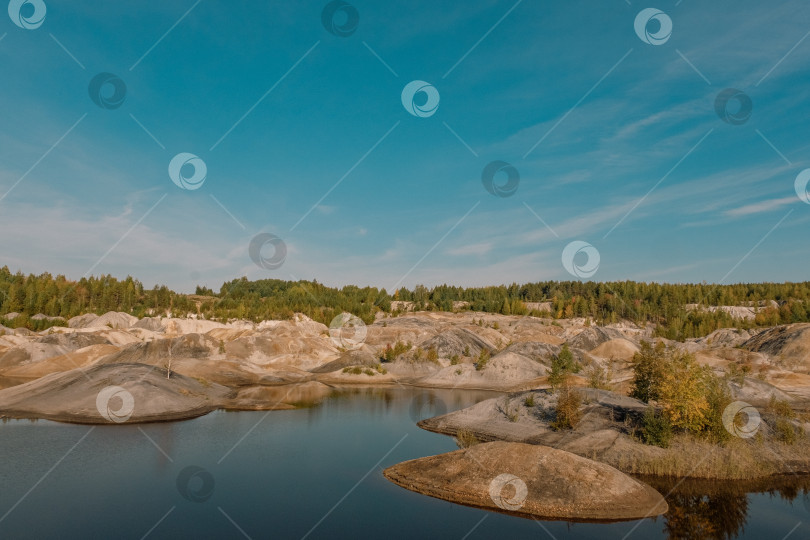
{"points": [[465, 438]]}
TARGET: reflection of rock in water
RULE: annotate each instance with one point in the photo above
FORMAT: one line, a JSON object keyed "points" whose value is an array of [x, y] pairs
{"points": [[719, 511], [405, 399], [260, 398]]}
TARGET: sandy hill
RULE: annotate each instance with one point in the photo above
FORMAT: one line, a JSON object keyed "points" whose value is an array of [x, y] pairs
{"points": [[789, 343], [241, 354], [81, 396]]}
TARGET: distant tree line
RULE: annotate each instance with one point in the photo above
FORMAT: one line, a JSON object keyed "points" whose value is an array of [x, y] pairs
{"points": [[59, 297], [608, 302]]}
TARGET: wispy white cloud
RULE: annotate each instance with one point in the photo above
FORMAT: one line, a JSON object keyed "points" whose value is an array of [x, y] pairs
{"points": [[759, 207], [325, 209], [66, 239], [479, 249]]}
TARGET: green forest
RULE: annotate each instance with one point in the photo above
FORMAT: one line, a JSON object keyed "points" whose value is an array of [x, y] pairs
{"points": [[658, 303]]}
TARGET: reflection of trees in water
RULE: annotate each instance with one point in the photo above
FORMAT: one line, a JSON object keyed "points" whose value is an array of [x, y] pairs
{"points": [[718, 517], [719, 510]]}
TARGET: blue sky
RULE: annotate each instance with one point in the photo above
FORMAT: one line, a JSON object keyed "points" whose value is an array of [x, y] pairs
{"points": [[616, 141]]}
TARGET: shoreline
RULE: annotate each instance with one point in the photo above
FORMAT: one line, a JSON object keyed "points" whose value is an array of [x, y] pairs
{"points": [[633, 464]]}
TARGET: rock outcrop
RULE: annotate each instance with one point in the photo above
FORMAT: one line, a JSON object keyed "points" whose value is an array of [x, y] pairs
{"points": [[788, 344], [608, 432], [530, 480], [112, 394]]}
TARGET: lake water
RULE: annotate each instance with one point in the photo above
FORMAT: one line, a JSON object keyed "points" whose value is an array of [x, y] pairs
{"points": [[314, 473]]}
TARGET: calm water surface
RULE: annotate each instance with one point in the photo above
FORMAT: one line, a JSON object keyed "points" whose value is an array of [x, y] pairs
{"points": [[314, 473]]}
